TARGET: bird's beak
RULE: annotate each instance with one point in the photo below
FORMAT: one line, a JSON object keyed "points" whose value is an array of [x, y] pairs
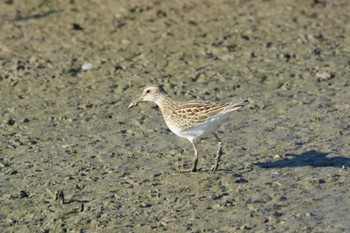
{"points": [[133, 104]]}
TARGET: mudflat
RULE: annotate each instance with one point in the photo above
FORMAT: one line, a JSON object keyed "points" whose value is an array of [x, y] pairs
{"points": [[73, 158]]}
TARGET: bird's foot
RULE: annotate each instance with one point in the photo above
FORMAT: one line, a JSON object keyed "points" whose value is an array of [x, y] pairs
{"points": [[188, 170], [214, 168]]}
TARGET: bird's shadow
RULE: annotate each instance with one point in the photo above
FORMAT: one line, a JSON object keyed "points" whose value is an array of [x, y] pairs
{"points": [[310, 158]]}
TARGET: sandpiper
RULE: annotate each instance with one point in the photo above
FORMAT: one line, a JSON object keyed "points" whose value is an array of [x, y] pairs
{"points": [[193, 119]]}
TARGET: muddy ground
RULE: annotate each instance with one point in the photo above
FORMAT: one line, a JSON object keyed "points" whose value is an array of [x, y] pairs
{"points": [[64, 128]]}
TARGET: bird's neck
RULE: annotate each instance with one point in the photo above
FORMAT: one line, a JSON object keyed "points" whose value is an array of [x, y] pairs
{"points": [[164, 101]]}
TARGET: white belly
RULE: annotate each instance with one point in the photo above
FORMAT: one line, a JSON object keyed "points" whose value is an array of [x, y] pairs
{"points": [[202, 130]]}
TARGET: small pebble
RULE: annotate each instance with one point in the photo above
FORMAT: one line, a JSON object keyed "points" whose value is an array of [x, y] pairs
{"points": [[86, 66], [23, 194]]}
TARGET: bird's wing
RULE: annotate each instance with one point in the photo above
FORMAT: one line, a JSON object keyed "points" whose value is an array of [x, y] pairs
{"points": [[190, 114]]}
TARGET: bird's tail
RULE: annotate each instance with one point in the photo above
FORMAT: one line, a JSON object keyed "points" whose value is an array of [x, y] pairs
{"points": [[235, 105]]}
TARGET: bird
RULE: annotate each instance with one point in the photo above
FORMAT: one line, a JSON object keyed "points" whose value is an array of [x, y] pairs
{"points": [[191, 120]]}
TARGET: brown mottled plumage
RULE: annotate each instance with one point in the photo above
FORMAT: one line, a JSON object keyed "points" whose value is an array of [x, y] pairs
{"points": [[193, 119]]}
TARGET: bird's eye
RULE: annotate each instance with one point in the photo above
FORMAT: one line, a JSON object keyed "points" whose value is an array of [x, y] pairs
{"points": [[148, 91]]}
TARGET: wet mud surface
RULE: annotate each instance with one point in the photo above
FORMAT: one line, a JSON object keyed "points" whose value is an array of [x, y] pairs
{"points": [[73, 158]]}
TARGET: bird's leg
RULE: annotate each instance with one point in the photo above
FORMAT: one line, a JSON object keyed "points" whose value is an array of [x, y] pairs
{"points": [[218, 154], [194, 161], [195, 158]]}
